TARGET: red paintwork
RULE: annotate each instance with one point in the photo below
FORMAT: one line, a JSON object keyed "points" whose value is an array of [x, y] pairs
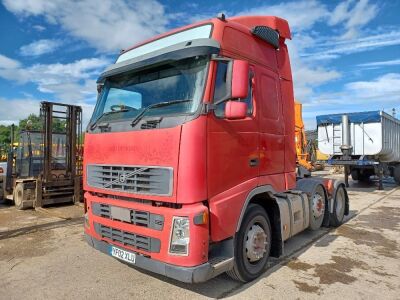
{"points": [[235, 110], [210, 155], [240, 72], [198, 249], [161, 148]]}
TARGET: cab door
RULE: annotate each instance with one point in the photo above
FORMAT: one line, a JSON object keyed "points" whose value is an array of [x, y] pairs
{"points": [[272, 139], [232, 145]]}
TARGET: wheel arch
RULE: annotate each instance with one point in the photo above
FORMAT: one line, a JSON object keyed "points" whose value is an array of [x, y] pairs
{"points": [[264, 196]]}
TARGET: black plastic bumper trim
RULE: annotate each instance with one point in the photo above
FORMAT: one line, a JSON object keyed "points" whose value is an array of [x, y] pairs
{"points": [[195, 274]]}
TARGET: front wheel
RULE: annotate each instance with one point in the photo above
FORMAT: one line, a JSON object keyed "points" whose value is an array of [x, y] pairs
{"points": [[252, 245]]}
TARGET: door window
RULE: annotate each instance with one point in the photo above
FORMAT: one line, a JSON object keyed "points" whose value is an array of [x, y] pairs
{"points": [[220, 90]]}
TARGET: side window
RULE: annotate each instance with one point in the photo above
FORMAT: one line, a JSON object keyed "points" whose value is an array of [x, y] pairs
{"points": [[220, 90], [220, 87]]}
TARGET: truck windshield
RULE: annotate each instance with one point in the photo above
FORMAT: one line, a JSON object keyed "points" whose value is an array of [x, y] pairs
{"points": [[125, 96]]}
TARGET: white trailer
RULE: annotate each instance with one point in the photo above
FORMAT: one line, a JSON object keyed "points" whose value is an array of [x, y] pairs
{"points": [[368, 143]]}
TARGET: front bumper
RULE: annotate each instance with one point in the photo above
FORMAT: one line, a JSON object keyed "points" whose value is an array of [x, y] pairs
{"points": [[195, 274]]}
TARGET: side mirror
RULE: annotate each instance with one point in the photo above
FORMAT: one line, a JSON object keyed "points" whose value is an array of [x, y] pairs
{"points": [[240, 79], [235, 110]]}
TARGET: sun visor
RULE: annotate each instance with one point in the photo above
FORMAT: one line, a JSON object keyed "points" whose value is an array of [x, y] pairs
{"points": [[178, 51]]}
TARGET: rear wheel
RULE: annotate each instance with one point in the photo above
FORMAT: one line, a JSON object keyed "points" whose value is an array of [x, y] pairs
{"points": [[19, 196], [252, 245], [355, 174], [339, 207], [317, 207], [364, 177]]}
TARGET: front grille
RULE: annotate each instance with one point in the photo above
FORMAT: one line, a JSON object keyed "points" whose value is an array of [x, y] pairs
{"points": [[137, 217], [131, 179], [133, 240]]}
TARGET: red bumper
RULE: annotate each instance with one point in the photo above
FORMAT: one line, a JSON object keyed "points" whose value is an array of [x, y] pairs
{"points": [[158, 235]]}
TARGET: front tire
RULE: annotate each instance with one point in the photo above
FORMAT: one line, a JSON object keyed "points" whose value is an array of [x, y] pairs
{"points": [[252, 245]]}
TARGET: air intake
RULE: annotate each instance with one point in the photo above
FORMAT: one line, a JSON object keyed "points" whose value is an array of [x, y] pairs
{"points": [[267, 34]]}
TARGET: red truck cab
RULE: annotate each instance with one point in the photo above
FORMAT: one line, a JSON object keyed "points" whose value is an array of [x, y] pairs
{"points": [[189, 163]]}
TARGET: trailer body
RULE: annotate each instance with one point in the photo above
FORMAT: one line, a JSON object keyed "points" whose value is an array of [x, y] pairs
{"points": [[373, 133], [374, 141], [190, 158]]}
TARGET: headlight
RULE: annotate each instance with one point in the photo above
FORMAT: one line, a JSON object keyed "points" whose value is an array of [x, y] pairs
{"points": [[180, 236]]}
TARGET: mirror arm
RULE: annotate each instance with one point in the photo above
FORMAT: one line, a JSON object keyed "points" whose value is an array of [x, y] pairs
{"points": [[216, 57]]}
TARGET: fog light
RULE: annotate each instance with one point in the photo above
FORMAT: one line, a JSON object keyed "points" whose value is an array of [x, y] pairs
{"points": [[180, 236]]}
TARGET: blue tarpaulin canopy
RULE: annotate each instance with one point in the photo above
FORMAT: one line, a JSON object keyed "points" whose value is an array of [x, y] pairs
{"points": [[358, 117]]}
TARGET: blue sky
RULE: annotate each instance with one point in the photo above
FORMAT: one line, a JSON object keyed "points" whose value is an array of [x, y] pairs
{"points": [[345, 54]]}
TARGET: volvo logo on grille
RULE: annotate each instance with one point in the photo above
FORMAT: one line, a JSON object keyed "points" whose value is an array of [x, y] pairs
{"points": [[122, 177]]}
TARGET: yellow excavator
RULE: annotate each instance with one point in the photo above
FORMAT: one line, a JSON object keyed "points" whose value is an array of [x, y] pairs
{"points": [[306, 151]]}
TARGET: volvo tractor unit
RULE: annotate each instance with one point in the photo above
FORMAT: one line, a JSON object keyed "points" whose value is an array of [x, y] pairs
{"points": [[190, 158]]}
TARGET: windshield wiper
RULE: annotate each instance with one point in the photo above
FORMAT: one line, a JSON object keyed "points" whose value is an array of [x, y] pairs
{"points": [[155, 105], [94, 124]]}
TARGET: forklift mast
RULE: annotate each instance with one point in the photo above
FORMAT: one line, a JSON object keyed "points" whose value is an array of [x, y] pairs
{"points": [[69, 117]]}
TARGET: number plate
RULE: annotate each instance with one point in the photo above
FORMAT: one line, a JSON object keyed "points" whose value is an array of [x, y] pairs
{"points": [[121, 214], [123, 255]]}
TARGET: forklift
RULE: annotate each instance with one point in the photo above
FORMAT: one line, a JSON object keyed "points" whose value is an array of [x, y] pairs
{"points": [[46, 165]]}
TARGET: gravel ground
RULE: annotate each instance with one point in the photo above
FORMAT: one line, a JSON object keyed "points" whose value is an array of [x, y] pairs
{"points": [[43, 256]]}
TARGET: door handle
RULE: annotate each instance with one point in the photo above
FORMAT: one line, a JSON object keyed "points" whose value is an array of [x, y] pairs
{"points": [[253, 162]]}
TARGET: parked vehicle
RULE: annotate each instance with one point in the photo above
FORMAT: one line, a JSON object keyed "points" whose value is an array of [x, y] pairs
{"points": [[3, 170], [43, 168], [190, 158], [367, 143]]}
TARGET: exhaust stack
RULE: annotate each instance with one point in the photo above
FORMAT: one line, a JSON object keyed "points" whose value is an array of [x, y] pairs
{"points": [[346, 146]]}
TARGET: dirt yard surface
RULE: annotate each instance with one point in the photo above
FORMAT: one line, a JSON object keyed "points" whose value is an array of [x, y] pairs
{"points": [[43, 255]]}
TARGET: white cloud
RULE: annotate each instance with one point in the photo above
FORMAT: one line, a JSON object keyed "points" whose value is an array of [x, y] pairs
{"points": [[379, 93], [306, 77], [39, 28], [301, 15], [340, 13], [40, 47], [108, 25], [383, 89], [68, 82], [384, 63], [360, 15], [8, 63], [334, 49], [354, 15], [23, 107]]}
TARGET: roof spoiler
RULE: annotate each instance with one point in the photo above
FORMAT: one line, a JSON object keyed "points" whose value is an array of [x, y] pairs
{"points": [[276, 23]]}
